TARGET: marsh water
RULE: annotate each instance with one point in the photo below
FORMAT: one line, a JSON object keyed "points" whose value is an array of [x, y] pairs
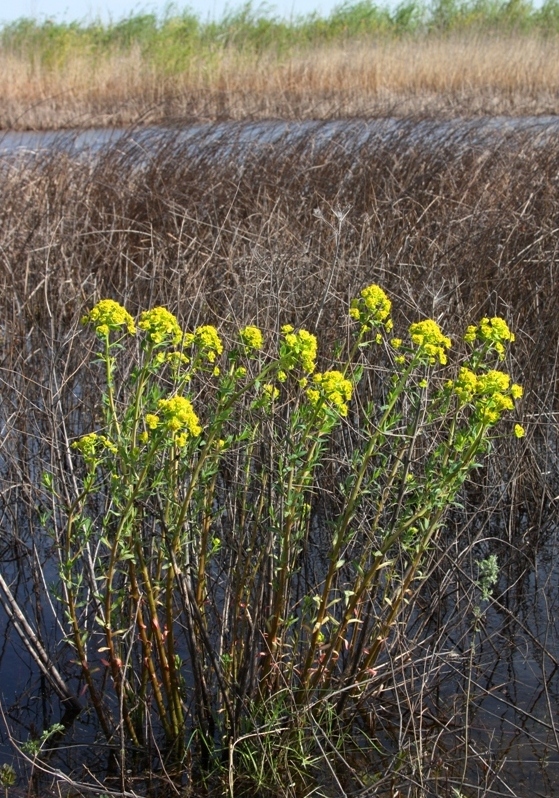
{"points": [[497, 674], [456, 133], [505, 679]]}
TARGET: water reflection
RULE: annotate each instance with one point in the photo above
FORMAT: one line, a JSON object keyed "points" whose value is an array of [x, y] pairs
{"points": [[496, 703]]}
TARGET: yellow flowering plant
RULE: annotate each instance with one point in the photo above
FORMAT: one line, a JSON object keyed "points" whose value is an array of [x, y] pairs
{"points": [[372, 309], [214, 572], [109, 316], [298, 350], [160, 326], [252, 337]]}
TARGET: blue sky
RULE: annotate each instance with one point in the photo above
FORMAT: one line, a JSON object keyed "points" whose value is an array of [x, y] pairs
{"points": [[68, 10]]}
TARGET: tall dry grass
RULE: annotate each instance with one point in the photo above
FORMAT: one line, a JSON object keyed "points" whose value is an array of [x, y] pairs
{"points": [[270, 234], [459, 74]]}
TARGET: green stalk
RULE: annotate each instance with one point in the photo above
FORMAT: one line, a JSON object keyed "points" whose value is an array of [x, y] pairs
{"points": [[169, 640], [203, 553], [114, 659], [113, 418], [142, 379], [76, 630], [347, 516], [380, 637], [147, 657], [280, 594], [464, 465], [241, 579], [377, 564], [125, 519], [175, 714], [361, 587], [212, 435]]}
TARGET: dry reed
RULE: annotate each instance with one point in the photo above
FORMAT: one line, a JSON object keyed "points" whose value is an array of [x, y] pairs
{"points": [[462, 74], [221, 229]]}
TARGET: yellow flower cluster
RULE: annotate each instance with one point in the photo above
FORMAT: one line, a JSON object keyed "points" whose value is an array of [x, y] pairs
{"points": [[108, 315], [271, 392], [160, 326], [494, 395], [429, 338], [152, 421], [490, 409], [89, 445], [331, 387], [493, 382], [207, 339], [252, 337], [491, 393], [372, 307], [465, 385], [298, 349], [176, 360], [178, 417], [494, 331]]}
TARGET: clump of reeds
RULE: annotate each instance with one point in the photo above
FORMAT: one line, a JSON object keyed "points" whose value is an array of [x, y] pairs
{"points": [[445, 58], [230, 234]]}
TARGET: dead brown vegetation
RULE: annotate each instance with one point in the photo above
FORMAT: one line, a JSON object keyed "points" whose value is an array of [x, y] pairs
{"points": [[452, 228], [463, 74]]}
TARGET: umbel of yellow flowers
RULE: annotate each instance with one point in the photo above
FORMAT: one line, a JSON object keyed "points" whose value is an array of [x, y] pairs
{"points": [[488, 391], [107, 316]]}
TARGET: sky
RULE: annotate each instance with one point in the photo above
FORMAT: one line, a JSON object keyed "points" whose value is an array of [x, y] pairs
{"points": [[70, 10]]}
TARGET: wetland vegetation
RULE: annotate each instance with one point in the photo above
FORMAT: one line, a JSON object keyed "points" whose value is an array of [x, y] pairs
{"points": [[216, 606], [468, 57], [233, 234]]}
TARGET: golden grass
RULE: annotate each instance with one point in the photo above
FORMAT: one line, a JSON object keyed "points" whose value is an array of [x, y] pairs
{"points": [[468, 75]]}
